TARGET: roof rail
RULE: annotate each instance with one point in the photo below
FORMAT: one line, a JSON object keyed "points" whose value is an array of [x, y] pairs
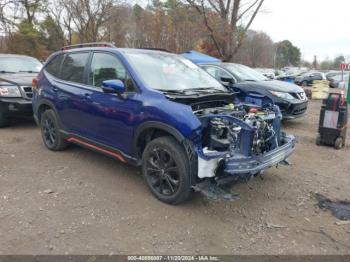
{"points": [[94, 44], [156, 49]]}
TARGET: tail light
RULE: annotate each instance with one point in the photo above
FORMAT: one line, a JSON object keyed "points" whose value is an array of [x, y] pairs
{"points": [[343, 99], [35, 83]]}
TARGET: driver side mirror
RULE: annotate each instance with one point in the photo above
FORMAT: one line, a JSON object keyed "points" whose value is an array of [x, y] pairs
{"points": [[227, 81], [114, 86]]}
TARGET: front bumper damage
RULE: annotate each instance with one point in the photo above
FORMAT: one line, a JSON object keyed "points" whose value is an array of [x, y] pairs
{"points": [[239, 164], [254, 164], [216, 169]]}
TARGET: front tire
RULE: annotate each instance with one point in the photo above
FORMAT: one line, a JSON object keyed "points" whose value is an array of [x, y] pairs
{"points": [[166, 169], [304, 84], [50, 133]]}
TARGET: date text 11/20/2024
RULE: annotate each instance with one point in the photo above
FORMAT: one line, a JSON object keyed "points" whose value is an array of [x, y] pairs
{"points": [[173, 258]]}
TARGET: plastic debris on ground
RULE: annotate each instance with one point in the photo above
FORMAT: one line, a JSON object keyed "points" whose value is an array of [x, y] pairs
{"points": [[340, 208]]}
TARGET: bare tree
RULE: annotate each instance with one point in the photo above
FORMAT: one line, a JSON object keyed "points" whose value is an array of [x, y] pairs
{"points": [[88, 17], [223, 20], [257, 50], [31, 8], [8, 11]]}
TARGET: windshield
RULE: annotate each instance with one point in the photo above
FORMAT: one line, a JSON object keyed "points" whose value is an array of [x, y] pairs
{"points": [[168, 72], [245, 73], [19, 64]]}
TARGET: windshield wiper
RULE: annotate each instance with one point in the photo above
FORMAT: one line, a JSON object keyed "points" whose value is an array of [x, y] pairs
{"points": [[6, 72], [192, 90], [208, 89], [172, 91], [28, 71]]}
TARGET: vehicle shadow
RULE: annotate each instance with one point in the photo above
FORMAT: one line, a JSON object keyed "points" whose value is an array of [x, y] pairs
{"points": [[22, 122], [292, 123]]}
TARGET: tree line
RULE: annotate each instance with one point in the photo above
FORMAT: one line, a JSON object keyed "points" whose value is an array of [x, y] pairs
{"points": [[220, 28]]}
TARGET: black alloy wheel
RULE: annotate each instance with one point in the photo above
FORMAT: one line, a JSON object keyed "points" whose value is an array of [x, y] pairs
{"points": [[166, 169], [53, 139], [49, 132], [162, 172]]}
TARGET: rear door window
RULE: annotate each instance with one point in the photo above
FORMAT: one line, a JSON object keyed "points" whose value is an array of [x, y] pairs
{"points": [[55, 65], [218, 73], [318, 76], [213, 71], [73, 67]]}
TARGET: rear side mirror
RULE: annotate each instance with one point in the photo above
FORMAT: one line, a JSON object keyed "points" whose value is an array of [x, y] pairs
{"points": [[114, 86], [227, 80]]}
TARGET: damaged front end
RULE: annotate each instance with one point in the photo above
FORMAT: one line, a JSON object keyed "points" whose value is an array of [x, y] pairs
{"points": [[236, 141], [242, 141]]}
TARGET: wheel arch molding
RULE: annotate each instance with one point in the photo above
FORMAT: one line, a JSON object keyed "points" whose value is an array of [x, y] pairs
{"points": [[148, 128], [39, 109]]}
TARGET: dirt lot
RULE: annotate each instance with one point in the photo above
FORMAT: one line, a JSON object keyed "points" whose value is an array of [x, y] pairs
{"points": [[80, 202]]}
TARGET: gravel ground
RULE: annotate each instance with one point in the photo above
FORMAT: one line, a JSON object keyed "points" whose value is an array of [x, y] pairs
{"points": [[80, 202]]}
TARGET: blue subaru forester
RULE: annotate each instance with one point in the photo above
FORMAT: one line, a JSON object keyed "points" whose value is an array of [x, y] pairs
{"points": [[159, 111]]}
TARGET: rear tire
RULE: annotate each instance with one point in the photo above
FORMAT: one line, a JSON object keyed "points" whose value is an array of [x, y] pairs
{"points": [[339, 143], [166, 169], [52, 137], [304, 84], [318, 140]]}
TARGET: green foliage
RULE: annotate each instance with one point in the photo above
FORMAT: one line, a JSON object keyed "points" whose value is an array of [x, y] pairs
{"points": [[287, 54], [326, 64], [52, 33], [137, 10], [337, 61], [27, 40]]}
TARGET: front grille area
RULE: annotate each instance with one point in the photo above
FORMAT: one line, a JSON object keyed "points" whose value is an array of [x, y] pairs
{"points": [[28, 91], [300, 96], [299, 109]]}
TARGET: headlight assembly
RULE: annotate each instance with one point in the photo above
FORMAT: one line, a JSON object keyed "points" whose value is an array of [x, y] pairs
{"points": [[282, 95], [9, 91]]}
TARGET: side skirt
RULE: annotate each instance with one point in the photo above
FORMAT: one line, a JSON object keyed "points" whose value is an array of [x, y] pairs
{"points": [[100, 148]]}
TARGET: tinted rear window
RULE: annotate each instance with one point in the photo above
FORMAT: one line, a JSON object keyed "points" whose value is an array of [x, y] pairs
{"points": [[54, 66], [73, 67]]}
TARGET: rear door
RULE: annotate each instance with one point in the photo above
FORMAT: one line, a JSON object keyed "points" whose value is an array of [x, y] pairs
{"points": [[69, 89]]}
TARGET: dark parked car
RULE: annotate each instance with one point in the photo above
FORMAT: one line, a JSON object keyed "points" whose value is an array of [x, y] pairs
{"points": [[307, 79], [16, 74], [335, 78], [290, 98], [158, 111]]}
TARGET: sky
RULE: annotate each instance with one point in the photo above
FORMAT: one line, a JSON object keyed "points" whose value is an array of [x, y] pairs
{"points": [[317, 27]]}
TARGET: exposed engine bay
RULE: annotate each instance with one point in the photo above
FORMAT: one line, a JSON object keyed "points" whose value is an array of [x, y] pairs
{"points": [[221, 135], [237, 139]]}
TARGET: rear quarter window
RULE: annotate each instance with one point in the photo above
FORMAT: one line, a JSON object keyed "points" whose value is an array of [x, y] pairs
{"points": [[54, 66], [73, 67]]}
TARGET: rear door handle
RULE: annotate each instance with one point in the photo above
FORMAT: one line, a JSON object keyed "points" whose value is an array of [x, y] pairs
{"points": [[55, 88]]}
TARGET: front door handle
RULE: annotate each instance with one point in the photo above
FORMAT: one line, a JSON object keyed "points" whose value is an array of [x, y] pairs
{"points": [[86, 97], [55, 88]]}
